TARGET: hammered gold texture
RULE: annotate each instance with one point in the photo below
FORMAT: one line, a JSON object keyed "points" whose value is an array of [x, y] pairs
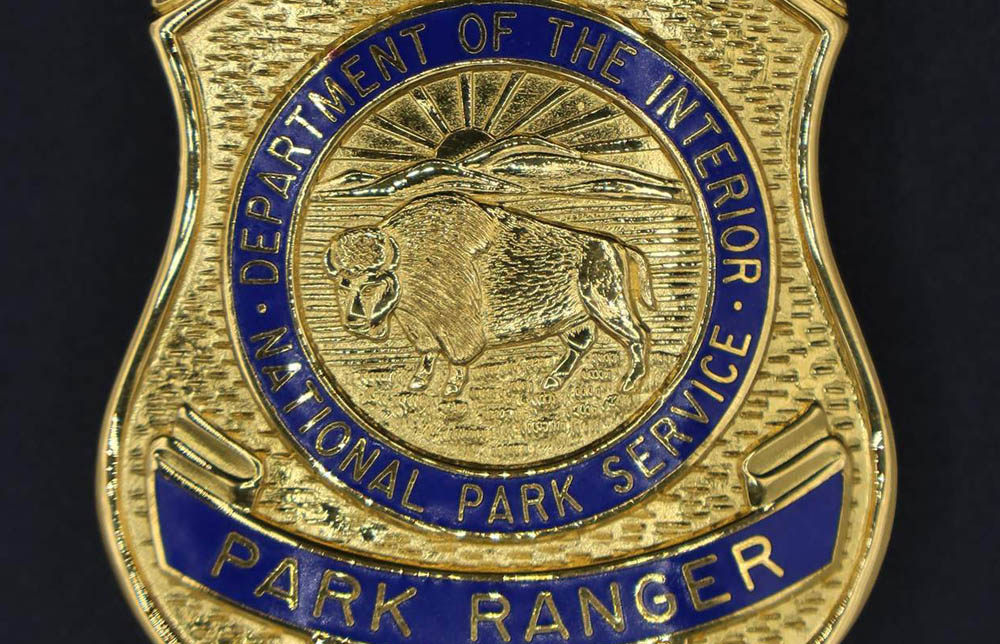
{"points": [[757, 54]]}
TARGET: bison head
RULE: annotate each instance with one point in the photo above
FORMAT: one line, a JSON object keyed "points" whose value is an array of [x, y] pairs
{"points": [[362, 262]]}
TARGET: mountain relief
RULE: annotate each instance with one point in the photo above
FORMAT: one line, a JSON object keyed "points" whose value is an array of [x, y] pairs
{"points": [[516, 165]]}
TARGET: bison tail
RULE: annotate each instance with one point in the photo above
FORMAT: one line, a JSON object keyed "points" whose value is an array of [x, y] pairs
{"points": [[639, 268]]}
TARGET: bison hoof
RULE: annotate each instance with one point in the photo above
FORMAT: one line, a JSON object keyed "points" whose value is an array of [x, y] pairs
{"points": [[457, 381], [419, 384], [553, 384], [631, 383]]}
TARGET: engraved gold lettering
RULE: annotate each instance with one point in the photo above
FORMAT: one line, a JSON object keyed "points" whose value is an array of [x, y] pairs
{"points": [[333, 101], [393, 58], [726, 238], [413, 33], [465, 502], [734, 188], [270, 339], [545, 601], [594, 50], [463, 38], [666, 439], [665, 599], [563, 496], [280, 182], [742, 274], [345, 437], [500, 29], [557, 37], [311, 394], [391, 607], [297, 118], [479, 616], [500, 510], [628, 481], [640, 458], [534, 500], [726, 216], [762, 559], [290, 595], [260, 208], [614, 61], [284, 149], [655, 94], [281, 374], [713, 155], [708, 390], [259, 272], [405, 502], [355, 78], [315, 420], [260, 246], [695, 586], [615, 617], [697, 413], [361, 463], [680, 110], [227, 556], [734, 373], [385, 482], [711, 125], [345, 597], [727, 344]]}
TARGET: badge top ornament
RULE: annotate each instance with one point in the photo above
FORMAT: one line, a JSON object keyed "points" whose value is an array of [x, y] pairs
{"points": [[498, 322]]}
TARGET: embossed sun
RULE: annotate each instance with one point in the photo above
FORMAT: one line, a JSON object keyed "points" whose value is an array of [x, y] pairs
{"points": [[506, 229]]}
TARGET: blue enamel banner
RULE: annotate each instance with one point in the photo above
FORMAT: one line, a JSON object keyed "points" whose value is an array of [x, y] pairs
{"points": [[318, 590]]}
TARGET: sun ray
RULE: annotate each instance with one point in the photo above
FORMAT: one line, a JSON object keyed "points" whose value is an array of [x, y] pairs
{"points": [[430, 108], [613, 146], [381, 155], [583, 121], [382, 124], [513, 82], [549, 101], [467, 82]]}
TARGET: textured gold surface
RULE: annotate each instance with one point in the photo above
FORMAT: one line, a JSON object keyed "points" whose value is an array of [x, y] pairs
{"points": [[759, 54]]}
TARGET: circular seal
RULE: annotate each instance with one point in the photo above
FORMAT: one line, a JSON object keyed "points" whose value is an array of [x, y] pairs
{"points": [[500, 294]]}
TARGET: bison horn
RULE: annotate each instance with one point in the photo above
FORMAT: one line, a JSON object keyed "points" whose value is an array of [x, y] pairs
{"points": [[393, 260], [331, 265]]}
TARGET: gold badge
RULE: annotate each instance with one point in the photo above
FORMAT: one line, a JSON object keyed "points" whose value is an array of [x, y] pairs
{"points": [[498, 322]]}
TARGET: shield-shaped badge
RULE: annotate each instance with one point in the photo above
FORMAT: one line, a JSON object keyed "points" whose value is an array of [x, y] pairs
{"points": [[498, 321]]}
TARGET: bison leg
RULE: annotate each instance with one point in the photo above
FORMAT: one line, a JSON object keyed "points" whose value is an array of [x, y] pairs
{"points": [[603, 288], [634, 338], [578, 341], [456, 381], [637, 353], [425, 344], [425, 371]]}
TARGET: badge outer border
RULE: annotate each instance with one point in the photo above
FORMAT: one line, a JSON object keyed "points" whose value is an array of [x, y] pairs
{"points": [[827, 15]]}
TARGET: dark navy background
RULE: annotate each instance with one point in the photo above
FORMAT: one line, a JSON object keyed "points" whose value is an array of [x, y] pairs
{"points": [[909, 170]]}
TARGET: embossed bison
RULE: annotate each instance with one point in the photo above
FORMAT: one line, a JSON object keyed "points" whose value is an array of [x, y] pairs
{"points": [[461, 277]]}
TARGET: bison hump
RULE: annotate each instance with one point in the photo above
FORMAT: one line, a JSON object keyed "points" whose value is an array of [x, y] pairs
{"points": [[449, 218]]}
